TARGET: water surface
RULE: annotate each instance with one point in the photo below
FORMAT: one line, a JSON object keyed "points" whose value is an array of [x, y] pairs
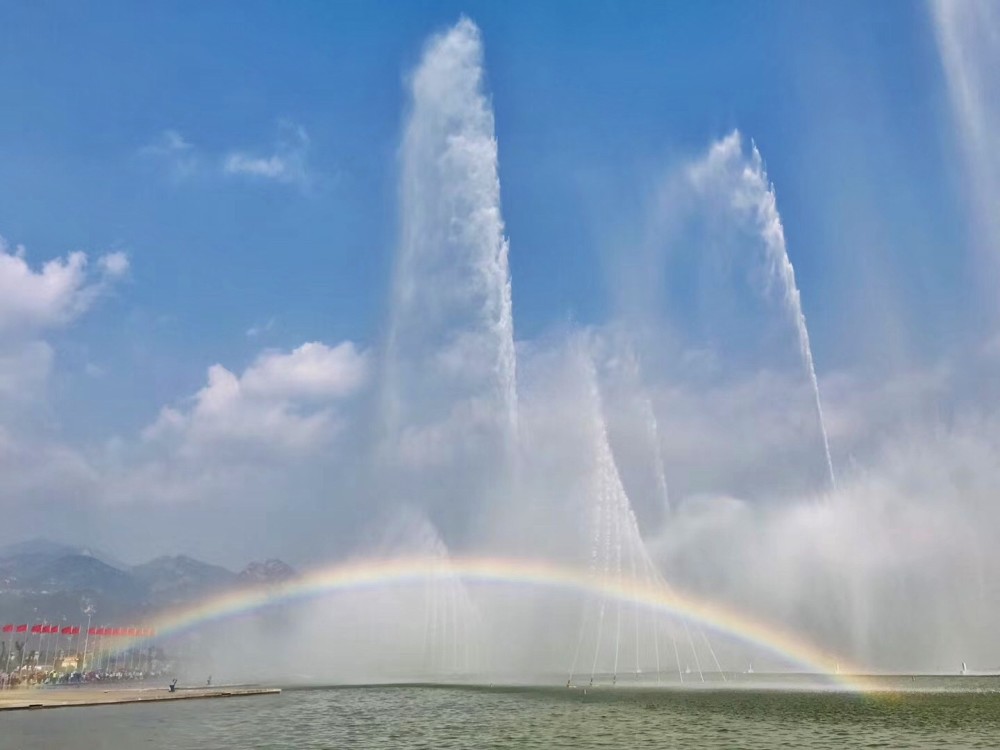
{"points": [[509, 717]]}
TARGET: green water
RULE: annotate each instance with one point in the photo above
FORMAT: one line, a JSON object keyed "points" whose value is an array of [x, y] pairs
{"points": [[464, 717]]}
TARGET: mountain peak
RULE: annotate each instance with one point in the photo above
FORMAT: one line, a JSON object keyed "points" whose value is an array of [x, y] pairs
{"points": [[269, 571]]}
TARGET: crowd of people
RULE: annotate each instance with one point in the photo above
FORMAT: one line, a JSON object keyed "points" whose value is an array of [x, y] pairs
{"points": [[38, 677]]}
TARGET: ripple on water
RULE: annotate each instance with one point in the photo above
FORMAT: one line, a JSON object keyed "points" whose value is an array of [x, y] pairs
{"points": [[442, 718]]}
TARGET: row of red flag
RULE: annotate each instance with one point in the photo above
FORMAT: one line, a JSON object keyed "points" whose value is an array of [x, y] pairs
{"points": [[75, 630]]}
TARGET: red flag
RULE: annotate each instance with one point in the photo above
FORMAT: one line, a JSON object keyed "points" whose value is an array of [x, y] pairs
{"points": [[22, 628], [91, 631], [51, 629], [8, 628], [36, 628], [76, 630], [68, 630]]}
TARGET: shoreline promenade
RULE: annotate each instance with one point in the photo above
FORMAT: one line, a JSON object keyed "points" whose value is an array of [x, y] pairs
{"points": [[23, 699]]}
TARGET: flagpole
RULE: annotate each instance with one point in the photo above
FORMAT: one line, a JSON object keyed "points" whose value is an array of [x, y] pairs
{"points": [[23, 647], [131, 650], [76, 649], [43, 643], [86, 640], [32, 659], [103, 653], [48, 645], [6, 661], [60, 647]]}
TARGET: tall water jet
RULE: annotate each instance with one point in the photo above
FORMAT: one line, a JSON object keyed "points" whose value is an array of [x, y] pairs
{"points": [[618, 553], [433, 629], [968, 39], [653, 434], [744, 185], [449, 395]]}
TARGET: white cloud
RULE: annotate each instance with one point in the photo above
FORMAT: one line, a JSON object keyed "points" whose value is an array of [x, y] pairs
{"points": [[314, 370], [257, 330], [57, 293], [168, 142], [283, 402], [178, 154], [36, 470], [24, 368], [286, 164], [115, 264], [274, 167], [42, 471]]}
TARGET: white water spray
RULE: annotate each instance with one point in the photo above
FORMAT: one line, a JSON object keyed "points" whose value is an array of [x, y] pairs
{"points": [[449, 393], [744, 183], [653, 434], [451, 329], [623, 557]]}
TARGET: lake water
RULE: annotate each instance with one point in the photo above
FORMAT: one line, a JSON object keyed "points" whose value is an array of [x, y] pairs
{"points": [[466, 717]]}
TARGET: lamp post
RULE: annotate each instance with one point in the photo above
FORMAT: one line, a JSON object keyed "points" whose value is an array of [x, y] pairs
{"points": [[88, 609]]}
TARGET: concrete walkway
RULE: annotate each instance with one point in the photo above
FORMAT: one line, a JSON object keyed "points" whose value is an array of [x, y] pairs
{"points": [[21, 699]]}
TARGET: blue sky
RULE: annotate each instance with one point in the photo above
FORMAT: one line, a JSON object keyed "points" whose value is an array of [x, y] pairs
{"points": [[120, 123]]}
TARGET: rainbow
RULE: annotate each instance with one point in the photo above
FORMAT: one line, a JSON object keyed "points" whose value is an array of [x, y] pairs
{"points": [[375, 573]]}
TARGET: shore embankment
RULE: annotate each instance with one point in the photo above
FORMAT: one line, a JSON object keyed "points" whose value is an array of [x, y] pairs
{"points": [[63, 697]]}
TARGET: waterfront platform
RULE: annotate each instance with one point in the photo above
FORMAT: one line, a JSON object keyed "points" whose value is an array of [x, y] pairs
{"points": [[38, 698]]}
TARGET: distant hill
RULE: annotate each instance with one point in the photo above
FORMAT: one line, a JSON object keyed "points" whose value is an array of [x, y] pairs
{"points": [[83, 573], [269, 571], [43, 580], [49, 549], [172, 580]]}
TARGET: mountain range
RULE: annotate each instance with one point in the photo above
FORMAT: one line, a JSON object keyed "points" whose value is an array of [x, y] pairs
{"points": [[41, 580]]}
